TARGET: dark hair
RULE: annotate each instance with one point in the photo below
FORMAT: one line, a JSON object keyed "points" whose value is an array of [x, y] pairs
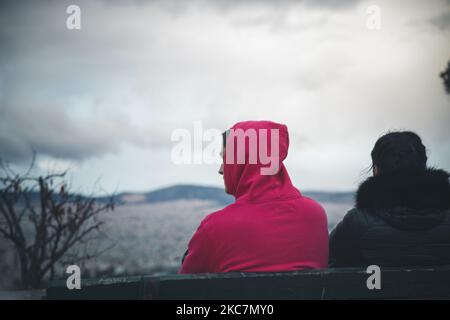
{"points": [[224, 139], [398, 152]]}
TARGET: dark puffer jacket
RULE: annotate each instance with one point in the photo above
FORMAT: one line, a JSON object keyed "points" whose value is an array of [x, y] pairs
{"points": [[401, 220]]}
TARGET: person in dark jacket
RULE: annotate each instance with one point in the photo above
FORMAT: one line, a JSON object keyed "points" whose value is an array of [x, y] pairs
{"points": [[401, 216]]}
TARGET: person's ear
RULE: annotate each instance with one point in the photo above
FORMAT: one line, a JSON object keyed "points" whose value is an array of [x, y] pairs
{"points": [[375, 170]]}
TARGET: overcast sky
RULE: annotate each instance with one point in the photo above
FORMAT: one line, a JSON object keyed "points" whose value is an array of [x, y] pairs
{"points": [[105, 99]]}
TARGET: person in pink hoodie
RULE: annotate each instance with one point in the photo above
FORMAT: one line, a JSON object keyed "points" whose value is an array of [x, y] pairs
{"points": [[271, 226]]}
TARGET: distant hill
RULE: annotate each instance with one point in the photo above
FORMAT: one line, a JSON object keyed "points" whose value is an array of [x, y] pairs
{"points": [[178, 192], [204, 193], [215, 194], [336, 197]]}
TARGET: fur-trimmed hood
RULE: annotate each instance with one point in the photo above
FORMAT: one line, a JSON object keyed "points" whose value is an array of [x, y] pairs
{"points": [[407, 201], [427, 190]]}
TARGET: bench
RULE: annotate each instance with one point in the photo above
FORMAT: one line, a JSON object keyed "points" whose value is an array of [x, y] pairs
{"points": [[417, 283]]}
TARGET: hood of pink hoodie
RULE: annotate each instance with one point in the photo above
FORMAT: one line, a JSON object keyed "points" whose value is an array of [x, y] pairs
{"points": [[245, 181]]}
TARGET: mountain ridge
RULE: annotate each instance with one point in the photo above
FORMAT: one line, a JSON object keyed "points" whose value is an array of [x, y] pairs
{"points": [[215, 194]]}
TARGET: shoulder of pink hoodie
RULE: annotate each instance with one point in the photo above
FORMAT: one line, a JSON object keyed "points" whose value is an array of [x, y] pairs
{"points": [[270, 227]]}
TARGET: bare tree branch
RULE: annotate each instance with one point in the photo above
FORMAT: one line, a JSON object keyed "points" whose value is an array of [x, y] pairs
{"points": [[56, 221]]}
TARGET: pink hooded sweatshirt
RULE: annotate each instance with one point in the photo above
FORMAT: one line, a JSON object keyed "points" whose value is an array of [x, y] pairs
{"points": [[270, 227]]}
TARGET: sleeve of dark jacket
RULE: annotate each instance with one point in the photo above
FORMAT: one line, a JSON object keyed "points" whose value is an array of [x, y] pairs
{"points": [[345, 240]]}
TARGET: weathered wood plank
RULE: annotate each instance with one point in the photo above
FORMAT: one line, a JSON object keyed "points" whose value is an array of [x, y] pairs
{"points": [[316, 284]]}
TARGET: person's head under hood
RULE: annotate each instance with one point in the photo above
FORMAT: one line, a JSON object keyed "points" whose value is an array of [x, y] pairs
{"points": [[253, 155]]}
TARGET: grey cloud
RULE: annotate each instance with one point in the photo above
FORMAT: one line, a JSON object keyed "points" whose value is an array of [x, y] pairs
{"points": [[51, 131], [332, 4], [42, 64], [442, 21], [42, 67]]}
